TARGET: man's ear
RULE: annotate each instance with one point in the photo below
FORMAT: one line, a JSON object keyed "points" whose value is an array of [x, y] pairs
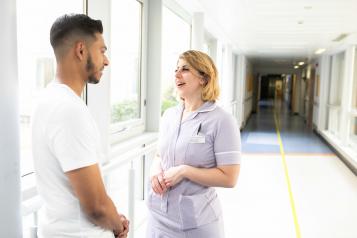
{"points": [[80, 48]]}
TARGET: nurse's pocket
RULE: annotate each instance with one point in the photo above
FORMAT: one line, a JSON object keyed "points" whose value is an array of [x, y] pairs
{"points": [[154, 201], [199, 209]]}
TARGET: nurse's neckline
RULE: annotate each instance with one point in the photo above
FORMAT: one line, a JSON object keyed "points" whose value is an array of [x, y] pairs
{"points": [[194, 109]]}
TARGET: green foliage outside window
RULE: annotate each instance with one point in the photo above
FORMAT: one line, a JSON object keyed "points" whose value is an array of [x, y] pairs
{"points": [[129, 109], [125, 110], [169, 100]]}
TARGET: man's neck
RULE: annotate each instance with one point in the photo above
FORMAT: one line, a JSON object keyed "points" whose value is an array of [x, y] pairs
{"points": [[72, 79]]}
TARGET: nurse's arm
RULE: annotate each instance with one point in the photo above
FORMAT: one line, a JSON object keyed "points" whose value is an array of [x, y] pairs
{"points": [[220, 176], [89, 188]]}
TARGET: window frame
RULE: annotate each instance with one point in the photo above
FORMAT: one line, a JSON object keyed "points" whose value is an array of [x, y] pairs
{"points": [[120, 131]]}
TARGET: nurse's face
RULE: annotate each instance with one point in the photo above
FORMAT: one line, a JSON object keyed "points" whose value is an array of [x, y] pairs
{"points": [[188, 81]]}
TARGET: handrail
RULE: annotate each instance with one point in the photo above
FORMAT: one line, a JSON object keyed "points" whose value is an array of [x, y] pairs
{"points": [[335, 106], [248, 98], [127, 157], [353, 112]]}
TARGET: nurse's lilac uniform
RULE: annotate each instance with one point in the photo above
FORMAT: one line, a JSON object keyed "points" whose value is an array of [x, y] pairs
{"points": [[207, 138]]}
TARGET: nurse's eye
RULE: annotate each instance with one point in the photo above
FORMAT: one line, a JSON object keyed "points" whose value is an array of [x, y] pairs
{"points": [[183, 69]]}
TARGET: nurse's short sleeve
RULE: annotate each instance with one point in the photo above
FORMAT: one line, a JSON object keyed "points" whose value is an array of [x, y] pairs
{"points": [[72, 138], [227, 144]]}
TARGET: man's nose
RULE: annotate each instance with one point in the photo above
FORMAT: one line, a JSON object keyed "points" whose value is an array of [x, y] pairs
{"points": [[106, 61]]}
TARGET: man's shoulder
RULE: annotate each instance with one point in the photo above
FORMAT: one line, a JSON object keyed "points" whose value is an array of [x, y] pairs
{"points": [[58, 99]]}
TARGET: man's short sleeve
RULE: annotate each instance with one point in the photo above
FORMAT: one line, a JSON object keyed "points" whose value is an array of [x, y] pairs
{"points": [[72, 137], [227, 144]]}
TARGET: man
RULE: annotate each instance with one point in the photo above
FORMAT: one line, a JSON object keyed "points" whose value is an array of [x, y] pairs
{"points": [[66, 144]]}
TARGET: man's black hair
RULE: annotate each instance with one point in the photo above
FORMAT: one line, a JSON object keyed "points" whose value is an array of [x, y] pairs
{"points": [[73, 25]]}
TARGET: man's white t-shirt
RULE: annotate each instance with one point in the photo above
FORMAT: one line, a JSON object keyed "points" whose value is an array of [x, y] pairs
{"points": [[65, 137]]}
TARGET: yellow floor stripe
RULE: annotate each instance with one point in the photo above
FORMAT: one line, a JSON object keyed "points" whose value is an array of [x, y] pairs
{"points": [[291, 197]]}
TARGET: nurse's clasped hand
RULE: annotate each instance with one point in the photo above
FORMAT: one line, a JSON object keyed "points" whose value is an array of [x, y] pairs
{"points": [[174, 175], [158, 183], [161, 181]]}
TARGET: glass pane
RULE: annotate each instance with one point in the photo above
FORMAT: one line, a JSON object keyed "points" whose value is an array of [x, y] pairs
{"points": [[176, 34], [119, 191], [337, 78], [125, 60], [334, 120], [36, 62], [354, 91], [353, 137]]}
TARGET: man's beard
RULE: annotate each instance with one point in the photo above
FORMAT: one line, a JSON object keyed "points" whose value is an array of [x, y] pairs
{"points": [[90, 68]]}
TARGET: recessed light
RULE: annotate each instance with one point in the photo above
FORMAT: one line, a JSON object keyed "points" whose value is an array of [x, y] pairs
{"points": [[296, 67], [340, 37], [319, 51], [301, 63]]}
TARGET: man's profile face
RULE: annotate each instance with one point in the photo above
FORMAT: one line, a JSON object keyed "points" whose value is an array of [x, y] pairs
{"points": [[96, 60]]}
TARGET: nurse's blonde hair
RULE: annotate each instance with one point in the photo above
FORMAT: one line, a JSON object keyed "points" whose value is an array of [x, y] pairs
{"points": [[201, 62]]}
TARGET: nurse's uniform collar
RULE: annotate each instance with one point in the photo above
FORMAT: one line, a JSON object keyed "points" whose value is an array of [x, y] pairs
{"points": [[205, 107]]}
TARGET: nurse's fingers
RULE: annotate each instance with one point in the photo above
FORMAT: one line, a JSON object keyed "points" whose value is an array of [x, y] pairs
{"points": [[162, 182], [155, 184]]}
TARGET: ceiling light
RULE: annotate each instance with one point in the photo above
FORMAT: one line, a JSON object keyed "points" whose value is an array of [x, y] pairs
{"points": [[340, 37], [301, 63], [319, 51], [296, 67]]}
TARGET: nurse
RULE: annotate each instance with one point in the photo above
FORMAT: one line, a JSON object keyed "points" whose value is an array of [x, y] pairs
{"points": [[199, 149]]}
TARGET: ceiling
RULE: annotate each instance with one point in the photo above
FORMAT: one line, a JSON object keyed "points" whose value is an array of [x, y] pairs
{"points": [[279, 32]]}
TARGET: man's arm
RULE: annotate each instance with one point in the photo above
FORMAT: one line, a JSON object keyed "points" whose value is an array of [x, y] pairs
{"points": [[89, 188]]}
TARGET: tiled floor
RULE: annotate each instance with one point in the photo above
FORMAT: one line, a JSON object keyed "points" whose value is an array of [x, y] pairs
{"points": [[323, 191]]}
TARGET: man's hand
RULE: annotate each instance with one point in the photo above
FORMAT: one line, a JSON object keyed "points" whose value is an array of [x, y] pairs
{"points": [[125, 225]]}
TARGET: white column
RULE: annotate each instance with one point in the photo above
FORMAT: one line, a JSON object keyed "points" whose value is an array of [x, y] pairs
{"points": [[198, 31], [214, 50], [324, 91], [98, 97], [240, 90], [10, 214], [153, 83], [228, 86]]}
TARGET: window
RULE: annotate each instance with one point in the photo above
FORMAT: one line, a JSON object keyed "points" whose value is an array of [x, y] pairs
{"points": [[354, 91], [176, 35], [335, 93], [353, 133], [36, 62], [36, 68], [125, 60]]}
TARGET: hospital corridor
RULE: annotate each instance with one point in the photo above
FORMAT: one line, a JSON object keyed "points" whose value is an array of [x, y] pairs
{"points": [[178, 118]]}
